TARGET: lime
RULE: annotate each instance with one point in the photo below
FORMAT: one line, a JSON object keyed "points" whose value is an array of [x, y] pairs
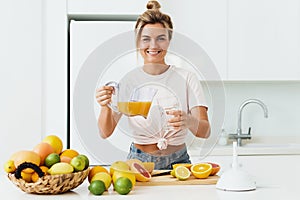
{"points": [[51, 159], [85, 158], [97, 187], [123, 185], [182, 173], [78, 163]]}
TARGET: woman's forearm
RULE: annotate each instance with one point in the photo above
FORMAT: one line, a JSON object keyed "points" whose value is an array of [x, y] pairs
{"points": [[198, 122], [107, 122]]}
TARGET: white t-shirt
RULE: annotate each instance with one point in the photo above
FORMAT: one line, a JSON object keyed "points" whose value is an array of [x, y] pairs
{"points": [[176, 84]]}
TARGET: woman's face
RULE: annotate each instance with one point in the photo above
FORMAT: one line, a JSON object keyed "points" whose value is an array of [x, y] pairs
{"points": [[153, 43]]}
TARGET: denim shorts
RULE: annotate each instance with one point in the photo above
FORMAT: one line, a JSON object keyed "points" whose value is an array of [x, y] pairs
{"points": [[161, 162]]}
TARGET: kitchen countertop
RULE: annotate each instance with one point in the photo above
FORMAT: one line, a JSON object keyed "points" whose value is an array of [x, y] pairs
{"points": [[277, 177]]}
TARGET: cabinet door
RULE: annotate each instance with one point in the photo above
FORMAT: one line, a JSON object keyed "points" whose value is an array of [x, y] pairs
{"points": [[263, 40], [204, 22]]}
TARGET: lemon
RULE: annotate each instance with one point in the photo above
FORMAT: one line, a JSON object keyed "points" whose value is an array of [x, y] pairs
{"points": [[123, 185], [172, 173], [127, 174], [55, 142], [201, 170], [52, 159], [61, 168], [182, 173], [187, 165], [97, 187], [9, 166], [119, 166], [95, 170], [102, 176]]}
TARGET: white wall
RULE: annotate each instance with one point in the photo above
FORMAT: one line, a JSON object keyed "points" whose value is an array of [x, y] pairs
{"points": [[281, 98], [20, 75]]}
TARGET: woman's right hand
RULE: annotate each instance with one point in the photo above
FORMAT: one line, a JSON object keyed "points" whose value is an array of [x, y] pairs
{"points": [[103, 95]]}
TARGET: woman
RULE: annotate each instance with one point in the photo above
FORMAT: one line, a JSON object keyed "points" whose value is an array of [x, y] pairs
{"points": [[152, 142]]}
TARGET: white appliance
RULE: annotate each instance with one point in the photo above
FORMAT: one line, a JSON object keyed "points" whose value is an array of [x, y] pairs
{"points": [[100, 51]]}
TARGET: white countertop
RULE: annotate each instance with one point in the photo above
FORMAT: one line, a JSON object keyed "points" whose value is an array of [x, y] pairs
{"points": [[277, 177]]}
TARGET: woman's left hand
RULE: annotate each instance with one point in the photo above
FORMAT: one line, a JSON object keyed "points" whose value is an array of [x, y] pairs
{"points": [[179, 120]]}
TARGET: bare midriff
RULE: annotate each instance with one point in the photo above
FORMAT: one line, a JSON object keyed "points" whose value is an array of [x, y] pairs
{"points": [[154, 150]]}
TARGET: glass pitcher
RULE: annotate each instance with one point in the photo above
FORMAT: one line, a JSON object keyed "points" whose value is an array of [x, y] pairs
{"points": [[131, 103]]}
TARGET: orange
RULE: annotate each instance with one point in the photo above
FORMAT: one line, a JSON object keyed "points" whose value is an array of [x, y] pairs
{"points": [[26, 176], [95, 170], [55, 142], [65, 159], [201, 170], [35, 176], [43, 149], [69, 153]]}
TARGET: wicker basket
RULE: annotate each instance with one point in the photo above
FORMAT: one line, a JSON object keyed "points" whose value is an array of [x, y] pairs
{"points": [[51, 184]]}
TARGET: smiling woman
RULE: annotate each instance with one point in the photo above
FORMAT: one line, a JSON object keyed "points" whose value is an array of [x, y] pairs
{"points": [[152, 141]]}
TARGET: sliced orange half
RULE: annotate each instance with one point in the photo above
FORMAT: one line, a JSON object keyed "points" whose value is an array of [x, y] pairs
{"points": [[182, 173], [201, 170]]}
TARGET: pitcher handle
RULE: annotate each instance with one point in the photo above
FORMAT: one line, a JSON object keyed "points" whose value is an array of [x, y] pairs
{"points": [[115, 85]]}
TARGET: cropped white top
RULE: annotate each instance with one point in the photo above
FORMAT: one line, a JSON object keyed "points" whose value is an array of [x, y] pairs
{"points": [[175, 85]]}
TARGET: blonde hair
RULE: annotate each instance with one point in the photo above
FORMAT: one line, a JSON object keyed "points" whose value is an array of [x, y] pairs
{"points": [[152, 16]]}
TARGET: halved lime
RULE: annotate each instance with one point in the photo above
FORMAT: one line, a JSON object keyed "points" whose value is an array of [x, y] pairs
{"points": [[182, 173]]}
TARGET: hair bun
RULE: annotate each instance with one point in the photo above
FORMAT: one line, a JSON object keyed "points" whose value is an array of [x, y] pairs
{"points": [[154, 5]]}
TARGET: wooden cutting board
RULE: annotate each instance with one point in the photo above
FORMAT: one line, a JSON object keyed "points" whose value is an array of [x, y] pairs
{"points": [[170, 180]]}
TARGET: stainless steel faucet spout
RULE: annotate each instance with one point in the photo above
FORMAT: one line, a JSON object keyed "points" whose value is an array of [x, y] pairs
{"points": [[239, 127]]}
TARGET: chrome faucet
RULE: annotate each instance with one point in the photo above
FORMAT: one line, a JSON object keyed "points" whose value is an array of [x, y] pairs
{"points": [[239, 136]]}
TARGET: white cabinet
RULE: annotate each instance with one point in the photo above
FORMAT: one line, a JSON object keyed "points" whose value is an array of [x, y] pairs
{"points": [[263, 40], [204, 22]]}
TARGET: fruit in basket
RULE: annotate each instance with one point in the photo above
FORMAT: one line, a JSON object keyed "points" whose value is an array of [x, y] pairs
{"points": [[201, 170], [78, 163], [26, 156], [127, 174], [9, 166], [123, 185], [95, 170], [43, 149], [71, 153], [182, 173], [97, 187], [141, 174], [35, 175], [119, 166], [215, 168], [86, 160], [55, 142], [52, 159], [102, 176], [21, 173], [61, 168]]}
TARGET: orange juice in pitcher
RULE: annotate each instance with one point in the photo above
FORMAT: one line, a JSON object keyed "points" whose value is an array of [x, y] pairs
{"points": [[133, 108]]}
